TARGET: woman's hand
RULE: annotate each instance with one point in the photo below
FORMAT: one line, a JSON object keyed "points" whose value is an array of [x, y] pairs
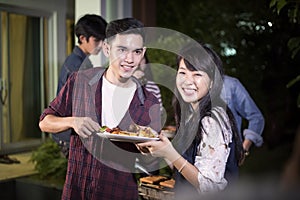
{"points": [[161, 148]]}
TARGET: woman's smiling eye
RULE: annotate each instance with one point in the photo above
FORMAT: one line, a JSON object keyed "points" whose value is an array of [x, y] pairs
{"points": [[198, 74]]}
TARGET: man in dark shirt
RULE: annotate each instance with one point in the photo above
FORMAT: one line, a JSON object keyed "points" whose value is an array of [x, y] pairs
{"points": [[97, 167], [90, 33]]}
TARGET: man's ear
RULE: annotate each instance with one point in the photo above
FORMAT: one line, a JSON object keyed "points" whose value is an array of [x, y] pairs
{"points": [[82, 39], [144, 51], [106, 49]]}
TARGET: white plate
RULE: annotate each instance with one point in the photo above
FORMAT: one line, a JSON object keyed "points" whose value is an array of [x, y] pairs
{"points": [[125, 138]]}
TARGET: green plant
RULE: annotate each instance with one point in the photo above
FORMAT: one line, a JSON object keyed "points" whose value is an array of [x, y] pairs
{"points": [[294, 42], [49, 161]]}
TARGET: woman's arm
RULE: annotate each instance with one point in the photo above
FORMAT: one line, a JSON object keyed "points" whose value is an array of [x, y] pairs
{"points": [[164, 148]]}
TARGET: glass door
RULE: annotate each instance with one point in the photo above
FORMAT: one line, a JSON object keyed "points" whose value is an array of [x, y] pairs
{"points": [[23, 61]]}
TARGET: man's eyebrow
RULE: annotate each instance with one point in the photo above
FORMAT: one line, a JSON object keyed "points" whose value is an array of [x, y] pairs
{"points": [[139, 49], [123, 47]]}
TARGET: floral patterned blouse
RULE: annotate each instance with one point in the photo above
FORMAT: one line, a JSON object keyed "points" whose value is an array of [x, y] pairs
{"points": [[213, 152]]}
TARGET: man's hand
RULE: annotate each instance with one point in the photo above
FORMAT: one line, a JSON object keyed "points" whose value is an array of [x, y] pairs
{"points": [[247, 144], [85, 126]]}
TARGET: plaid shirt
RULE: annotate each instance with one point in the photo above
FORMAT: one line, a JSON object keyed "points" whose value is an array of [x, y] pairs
{"points": [[87, 178]]}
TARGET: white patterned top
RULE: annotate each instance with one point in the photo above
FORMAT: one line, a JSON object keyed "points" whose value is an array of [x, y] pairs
{"points": [[213, 152]]}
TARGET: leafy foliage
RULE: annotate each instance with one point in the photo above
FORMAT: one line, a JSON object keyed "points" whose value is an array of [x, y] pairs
{"points": [[293, 13], [49, 161], [292, 7]]}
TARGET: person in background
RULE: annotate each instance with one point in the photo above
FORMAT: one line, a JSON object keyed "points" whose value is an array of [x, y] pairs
{"points": [[206, 149], [94, 98], [243, 107], [144, 74], [90, 33]]}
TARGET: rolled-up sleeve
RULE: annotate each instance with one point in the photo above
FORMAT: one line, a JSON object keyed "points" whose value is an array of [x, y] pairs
{"points": [[246, 108]]}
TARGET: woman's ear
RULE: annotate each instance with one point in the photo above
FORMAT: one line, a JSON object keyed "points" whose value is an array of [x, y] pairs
{"points": [[106, 49]]}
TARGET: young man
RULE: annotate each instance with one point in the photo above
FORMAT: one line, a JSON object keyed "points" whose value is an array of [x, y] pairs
{"points": [[97, 167], [90, 33]]}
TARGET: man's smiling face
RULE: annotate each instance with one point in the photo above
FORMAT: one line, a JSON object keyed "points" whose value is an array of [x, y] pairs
{"points": [[125, 53]]}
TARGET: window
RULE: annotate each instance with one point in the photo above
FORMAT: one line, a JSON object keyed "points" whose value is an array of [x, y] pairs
{"points": [[24, 61]]}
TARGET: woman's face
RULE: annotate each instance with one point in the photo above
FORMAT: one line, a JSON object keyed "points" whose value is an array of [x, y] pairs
{"points": [[192, 85]]}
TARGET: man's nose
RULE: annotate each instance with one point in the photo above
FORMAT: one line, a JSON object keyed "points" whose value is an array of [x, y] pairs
{"points": [[129, 57]]}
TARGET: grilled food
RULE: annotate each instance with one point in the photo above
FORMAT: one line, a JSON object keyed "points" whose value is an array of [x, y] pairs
{"points": [[139, 131]]}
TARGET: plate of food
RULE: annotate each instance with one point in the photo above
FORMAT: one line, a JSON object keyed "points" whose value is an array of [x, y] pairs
{"points": [[140, 134]]}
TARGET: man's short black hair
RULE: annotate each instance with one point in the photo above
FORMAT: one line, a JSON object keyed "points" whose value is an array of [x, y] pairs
{"points": [[124, 26], [91, 25]]}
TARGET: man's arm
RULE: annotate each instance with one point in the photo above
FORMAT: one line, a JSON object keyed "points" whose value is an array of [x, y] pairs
{"points": [[83, 126], [247, 108]]}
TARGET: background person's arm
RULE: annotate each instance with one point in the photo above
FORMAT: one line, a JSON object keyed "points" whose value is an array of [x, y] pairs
{"points": [[247, 108]]}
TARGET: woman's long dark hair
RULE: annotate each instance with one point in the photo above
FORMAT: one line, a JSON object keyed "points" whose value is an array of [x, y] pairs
{"points": [[199, 57]]}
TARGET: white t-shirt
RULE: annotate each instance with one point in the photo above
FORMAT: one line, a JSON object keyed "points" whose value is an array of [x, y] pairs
{"points": [[115, 102]]}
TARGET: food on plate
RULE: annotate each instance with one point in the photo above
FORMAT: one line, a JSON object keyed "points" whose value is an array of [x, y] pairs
{"points": [[169, 131], [170, 128], [153, 179], [168, 183], [134, 130]]}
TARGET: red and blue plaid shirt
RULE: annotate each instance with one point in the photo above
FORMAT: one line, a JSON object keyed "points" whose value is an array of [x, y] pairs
{"points": [[87, 177]]}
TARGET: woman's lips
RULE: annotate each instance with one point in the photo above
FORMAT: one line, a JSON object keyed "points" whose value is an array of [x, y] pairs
{"points": [[189, 91]]}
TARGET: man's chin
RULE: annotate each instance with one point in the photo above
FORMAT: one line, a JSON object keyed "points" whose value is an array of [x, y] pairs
{"points": [[124, 79]]}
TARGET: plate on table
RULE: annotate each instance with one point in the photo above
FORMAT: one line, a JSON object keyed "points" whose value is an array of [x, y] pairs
{"points": [[125, 138]]}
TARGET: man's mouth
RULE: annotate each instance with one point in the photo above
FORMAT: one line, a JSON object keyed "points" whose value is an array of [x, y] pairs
{"points": [[127, 68]]}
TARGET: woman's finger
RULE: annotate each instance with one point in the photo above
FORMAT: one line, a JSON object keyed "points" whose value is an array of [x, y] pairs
{"points": [[145, 144]]}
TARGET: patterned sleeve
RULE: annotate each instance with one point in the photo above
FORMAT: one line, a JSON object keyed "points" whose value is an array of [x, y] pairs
{"points": [[212, 154]]}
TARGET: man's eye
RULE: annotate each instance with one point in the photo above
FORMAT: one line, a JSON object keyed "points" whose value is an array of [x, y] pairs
{"points": [[138, 52], [121, 50]]}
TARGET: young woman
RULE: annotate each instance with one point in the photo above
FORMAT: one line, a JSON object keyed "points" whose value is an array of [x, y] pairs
{"points": [[205, 149]]}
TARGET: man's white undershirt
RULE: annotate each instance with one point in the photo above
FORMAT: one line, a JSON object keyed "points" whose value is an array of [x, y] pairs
{"points": [[115, 102]]}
